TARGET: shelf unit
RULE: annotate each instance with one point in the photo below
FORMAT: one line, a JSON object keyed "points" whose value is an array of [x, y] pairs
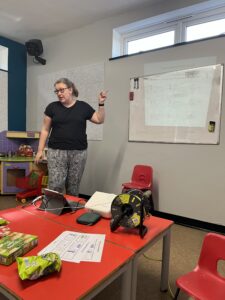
{"points": [[23, 134]]}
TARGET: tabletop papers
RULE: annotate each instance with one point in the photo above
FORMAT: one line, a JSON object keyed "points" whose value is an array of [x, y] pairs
{"points": [[76, 247]]}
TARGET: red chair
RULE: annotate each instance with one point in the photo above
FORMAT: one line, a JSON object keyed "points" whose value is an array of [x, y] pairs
{"points": [[204, 282], [142, 179]]}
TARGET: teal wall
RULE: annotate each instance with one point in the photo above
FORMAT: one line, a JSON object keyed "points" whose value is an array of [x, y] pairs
{"points": [[17, 79]]}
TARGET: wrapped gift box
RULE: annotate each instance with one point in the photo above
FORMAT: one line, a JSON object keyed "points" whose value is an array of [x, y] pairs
{"points": [[15, 244]]}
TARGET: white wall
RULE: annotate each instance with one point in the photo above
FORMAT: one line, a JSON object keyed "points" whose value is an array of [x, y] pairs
{"points": [[188, 179]]}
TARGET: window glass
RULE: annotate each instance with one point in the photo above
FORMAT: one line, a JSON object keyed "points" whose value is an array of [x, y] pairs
{"points": [[151, 42], [195, 22], [3, 58], [204, 30]]}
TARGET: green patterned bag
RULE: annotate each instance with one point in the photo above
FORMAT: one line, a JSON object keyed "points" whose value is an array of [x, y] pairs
{"points": [[33, 267]]}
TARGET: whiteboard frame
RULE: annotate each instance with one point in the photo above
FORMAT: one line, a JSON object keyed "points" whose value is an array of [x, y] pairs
{"points": [[140, 132]]}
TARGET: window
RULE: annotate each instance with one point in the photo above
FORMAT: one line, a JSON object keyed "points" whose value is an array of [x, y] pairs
{"points": [[204, 30], [3, 58], [4, 87], [151, 42], [195, 22]]}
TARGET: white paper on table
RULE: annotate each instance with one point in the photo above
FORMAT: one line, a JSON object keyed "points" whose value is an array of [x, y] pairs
{"points": [[92, 249], [75, 246]]}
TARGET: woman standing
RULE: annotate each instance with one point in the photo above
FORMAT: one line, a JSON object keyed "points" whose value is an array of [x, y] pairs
{"points": [[65, 121]]}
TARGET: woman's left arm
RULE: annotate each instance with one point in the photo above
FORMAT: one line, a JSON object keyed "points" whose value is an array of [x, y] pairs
{"points": [[99, 116]]}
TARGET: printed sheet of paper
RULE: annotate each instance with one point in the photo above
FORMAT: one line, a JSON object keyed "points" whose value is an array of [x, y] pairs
{"points": [[76, 247]]}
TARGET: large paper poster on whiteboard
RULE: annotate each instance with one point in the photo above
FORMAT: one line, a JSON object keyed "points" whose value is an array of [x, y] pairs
{"points": [[177, 107]]}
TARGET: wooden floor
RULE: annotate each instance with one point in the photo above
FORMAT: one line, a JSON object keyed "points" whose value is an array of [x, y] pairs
{"points": [[185, 248]]}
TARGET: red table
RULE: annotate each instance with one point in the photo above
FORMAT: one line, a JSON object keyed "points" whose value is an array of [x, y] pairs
{"points": [[74, 281], [158, 228]]}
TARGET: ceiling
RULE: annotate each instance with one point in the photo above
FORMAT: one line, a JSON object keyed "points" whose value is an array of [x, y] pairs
{"points": [[27, 19]]}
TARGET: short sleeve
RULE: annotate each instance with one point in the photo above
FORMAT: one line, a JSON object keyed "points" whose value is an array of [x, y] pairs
{"points": [[90, 110], [49, 110]]}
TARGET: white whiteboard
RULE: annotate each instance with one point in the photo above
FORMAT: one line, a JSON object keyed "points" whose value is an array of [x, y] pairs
{"points": [[177, 107], [88, 79], [3, 100]]}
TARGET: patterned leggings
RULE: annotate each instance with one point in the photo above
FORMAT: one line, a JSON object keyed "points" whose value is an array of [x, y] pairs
{"points": [[65, 169]]}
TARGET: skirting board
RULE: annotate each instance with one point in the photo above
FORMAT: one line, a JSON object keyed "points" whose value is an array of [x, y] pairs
{"points": [[190, 222]]}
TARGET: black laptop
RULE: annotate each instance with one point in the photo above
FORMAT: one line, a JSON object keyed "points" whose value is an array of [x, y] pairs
{"points": [[55, 202]]}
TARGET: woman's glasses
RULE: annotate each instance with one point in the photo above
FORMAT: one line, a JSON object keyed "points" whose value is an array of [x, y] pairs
{"points": [[60, 90]]}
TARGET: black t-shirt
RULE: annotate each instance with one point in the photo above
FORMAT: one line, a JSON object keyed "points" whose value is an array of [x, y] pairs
{"points": [[69, 125]]}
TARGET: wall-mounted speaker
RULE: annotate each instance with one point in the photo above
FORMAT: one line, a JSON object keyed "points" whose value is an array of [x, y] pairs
{"points": [[34, 48]]}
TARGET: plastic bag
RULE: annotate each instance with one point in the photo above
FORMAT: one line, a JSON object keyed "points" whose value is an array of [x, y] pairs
{"points": [[3, 222], [33, 267]]}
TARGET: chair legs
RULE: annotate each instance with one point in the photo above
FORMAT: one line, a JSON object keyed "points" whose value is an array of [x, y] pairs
{"points": [[177, 293]]}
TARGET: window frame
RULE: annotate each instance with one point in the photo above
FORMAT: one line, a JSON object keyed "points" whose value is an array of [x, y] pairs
{"points": [[201, 20], [147, 32], [177, 20]]}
